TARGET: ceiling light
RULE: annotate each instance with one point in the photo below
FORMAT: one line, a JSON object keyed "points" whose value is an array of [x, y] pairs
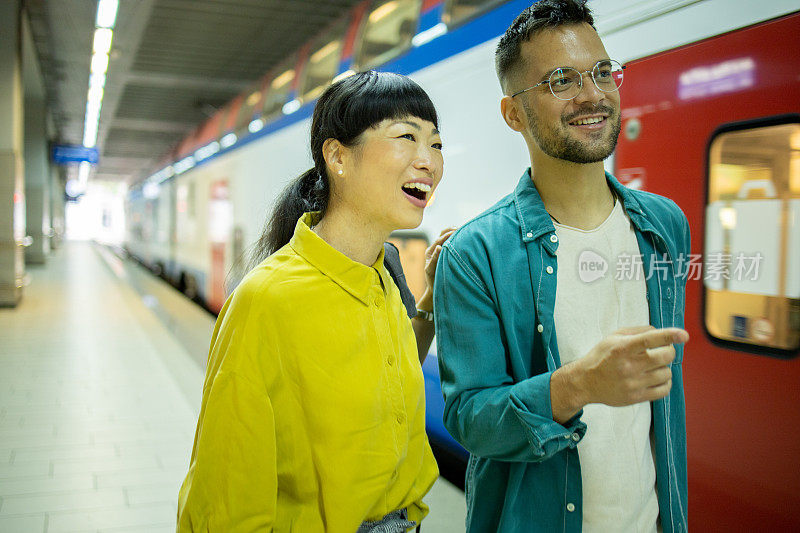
{"points": [[94, 95], [97, 80], [90, 134], [99, 63], [102, 41], [106, 13], [83, 173]]}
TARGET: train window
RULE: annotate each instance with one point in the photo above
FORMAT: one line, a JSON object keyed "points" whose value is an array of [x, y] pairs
{"points": [[387, 31], [323, 63], [458, 11], [752, 237], [279, 89], [251, 106]]}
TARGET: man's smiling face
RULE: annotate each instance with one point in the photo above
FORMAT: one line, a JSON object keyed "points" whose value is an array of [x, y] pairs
{"points": [[584, 129]]}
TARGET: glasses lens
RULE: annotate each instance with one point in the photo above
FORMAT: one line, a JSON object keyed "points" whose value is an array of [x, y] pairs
{"points": [[565, 83], [607, 75]]}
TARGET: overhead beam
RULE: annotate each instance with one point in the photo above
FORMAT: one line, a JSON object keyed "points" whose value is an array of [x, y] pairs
{"points": [[164, 126], [177, 81]]}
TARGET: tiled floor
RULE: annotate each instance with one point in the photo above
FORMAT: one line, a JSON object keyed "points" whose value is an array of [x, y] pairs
{"points": [[99, 393]]}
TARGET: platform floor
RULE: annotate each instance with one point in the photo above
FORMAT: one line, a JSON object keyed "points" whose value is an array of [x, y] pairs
{"points": [[101, 371]]}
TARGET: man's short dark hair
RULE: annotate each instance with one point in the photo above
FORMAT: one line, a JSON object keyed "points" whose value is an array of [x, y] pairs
{"points": [[541, 15]]}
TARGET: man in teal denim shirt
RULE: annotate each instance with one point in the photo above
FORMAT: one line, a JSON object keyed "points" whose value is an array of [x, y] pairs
{"points": [[508, 398]]}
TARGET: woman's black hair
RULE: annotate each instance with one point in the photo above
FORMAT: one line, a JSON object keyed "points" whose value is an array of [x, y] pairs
{"points": [[344, 111]]}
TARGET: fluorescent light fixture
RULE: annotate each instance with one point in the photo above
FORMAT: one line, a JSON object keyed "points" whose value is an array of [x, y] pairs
{"points": [[97, 80], [102, 41], [344, 75], [83, 173], [324, 51], [106, 13], [228, 140], [283, 79], [255, 125], [429, 34], [383, 11], [99, 63], [291, 106], [90, 134], [94, 96]]}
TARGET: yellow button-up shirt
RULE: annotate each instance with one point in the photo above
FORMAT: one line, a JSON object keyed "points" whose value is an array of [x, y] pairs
{"points": [[313, 411]]}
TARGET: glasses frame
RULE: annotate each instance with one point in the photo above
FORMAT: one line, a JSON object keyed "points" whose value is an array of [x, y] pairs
{"points": [[580, 80]]}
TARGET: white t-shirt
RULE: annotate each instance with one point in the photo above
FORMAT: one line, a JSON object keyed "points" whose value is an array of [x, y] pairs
{"points": [[617, 467]]}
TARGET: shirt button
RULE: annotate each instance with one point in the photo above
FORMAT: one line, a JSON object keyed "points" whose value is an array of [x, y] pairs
{"points": [[570, 507], [554, 238], [576, 437], [377, 301], [669, 293], [529, 234], [400, 419], [540, 328], [390, 361], [549, 269]]}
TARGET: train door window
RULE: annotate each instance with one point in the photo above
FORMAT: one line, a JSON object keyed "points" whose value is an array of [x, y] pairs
{"points": [[387, 31], [752, 237], [323, 62], [459, 11], [279, 89]]}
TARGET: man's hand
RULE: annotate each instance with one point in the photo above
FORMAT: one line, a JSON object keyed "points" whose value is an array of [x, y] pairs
{"points": [[625, 368], [631, 366]]}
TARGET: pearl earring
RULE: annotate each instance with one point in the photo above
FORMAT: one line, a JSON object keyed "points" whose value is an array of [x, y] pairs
{"points": [[341, 171]]}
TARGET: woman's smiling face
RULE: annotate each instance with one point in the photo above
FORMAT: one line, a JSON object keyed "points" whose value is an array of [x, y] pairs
{"points": [[392, 173]]}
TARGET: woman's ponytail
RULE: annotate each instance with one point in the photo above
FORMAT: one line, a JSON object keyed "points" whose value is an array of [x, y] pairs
{"points": [[308, 192]]}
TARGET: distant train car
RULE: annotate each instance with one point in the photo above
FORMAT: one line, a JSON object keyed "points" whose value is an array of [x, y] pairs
{"points": [[709, 109]]}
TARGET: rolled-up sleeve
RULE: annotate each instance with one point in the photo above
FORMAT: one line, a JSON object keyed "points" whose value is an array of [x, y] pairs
{"points": [[485, 410]]}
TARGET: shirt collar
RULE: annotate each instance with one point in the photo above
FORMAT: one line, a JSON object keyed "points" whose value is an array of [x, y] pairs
{"points": [[535, 220], [352, 276]]}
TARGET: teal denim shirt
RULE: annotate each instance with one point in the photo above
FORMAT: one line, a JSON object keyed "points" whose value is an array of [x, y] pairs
{"points": [[497, 347]]}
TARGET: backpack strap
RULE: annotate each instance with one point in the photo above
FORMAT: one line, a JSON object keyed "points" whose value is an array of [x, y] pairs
{"points": [[391, 260]]}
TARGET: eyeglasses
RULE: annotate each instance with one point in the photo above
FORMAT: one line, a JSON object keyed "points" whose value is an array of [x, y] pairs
{"points": [[566, 82]]}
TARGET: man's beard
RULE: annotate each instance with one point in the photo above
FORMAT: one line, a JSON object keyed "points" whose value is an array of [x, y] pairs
{"points": [[562, 146]]}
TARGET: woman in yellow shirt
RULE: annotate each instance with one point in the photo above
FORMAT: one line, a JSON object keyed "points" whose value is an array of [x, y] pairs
{"points": [[313, 410]]}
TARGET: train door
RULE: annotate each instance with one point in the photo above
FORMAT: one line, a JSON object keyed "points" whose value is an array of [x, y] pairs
{"points": [[711, 126], [220, 222]]}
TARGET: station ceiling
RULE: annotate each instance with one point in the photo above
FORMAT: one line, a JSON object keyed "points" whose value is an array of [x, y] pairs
{"points": [[173, 63]]}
